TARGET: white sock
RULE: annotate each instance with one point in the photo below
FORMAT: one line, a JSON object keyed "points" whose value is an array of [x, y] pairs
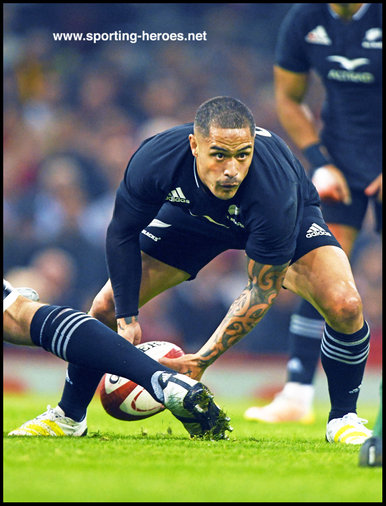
{"points": [[10, 298]]}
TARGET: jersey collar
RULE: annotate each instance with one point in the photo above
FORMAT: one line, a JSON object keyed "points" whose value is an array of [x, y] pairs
{"points": [[359, 13], [195, 172]]}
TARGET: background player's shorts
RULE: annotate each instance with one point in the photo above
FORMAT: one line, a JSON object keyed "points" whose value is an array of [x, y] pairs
{"points": [[176, 239], [354, 213]]}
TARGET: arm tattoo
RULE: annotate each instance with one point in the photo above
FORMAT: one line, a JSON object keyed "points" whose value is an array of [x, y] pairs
{"points": [[246, 311]]}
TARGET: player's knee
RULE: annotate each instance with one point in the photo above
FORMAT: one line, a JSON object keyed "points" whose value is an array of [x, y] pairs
{"points": [[345, 310], [103, 309]]}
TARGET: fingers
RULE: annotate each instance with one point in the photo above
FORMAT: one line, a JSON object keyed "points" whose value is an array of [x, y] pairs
{"points": [[183, 366], [345, 193], [331, 185], [375, 187]]}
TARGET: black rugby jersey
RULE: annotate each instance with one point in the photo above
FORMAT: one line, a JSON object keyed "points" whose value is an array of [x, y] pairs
{"points": [[263, 217], [347, 55]]}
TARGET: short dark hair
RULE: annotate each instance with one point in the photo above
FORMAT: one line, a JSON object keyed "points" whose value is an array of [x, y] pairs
{"points": [[223, 112]]}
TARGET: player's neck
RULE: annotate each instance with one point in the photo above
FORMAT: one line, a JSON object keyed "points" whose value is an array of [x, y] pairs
{"points": [[345, 11]]}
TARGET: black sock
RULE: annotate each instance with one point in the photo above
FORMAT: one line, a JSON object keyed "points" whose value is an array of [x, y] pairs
{"points": [[305, 334], [344, 357], [82, 340], [79, 389]]}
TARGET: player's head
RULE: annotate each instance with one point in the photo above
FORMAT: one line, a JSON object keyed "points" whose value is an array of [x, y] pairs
{"points": [[223, 142], [223, 112]]}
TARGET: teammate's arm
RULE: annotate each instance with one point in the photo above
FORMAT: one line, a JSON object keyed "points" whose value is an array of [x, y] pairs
{"points": [[298, 121], [264, 283], [296, 117]]}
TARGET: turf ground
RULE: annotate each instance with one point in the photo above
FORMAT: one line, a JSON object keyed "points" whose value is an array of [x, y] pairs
{"points": [[153, 460]]}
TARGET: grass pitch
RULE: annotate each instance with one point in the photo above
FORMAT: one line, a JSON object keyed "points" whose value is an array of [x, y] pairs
{"points": [[154, 460]]}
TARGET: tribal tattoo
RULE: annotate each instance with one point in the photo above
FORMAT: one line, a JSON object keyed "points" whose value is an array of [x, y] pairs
{"points": [[246, 311]]}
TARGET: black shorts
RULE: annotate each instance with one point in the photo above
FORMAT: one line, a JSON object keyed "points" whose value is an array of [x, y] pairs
{"points": [[189, 248], [354, 213]]}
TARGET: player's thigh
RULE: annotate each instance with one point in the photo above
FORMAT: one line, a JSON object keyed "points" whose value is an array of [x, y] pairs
{"points": [[324, 278], [320, 272], [345, 235], [156, 277], [346, 220]]}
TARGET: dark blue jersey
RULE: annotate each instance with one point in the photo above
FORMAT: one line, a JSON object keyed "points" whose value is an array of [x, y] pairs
{"points": [[347, 55], [263, 217]]}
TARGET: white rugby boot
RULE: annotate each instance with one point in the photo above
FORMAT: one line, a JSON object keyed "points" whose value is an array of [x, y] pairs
{"points": [[292, 404], [52, 422], [10, 293], [349, 429]]}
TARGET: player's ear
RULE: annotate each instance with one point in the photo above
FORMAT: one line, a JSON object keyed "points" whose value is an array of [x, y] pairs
{"points": [[193, 144]]}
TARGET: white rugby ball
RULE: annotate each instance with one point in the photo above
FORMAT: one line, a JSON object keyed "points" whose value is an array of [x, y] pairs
{"points": [[126, 400]]}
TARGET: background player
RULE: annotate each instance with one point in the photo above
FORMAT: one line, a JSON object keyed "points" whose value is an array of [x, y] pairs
{"points": [[80, 339], [190, 193], [343, 44]]}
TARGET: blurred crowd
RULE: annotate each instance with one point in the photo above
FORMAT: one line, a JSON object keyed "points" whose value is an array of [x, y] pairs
{"points": [[74, 113]]}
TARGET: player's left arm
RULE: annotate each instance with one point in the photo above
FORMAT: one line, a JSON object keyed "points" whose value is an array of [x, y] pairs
{"points": [[264, 283]]}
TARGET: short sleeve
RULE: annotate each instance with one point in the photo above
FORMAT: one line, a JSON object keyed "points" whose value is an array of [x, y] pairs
{"points": [[290, 53]]}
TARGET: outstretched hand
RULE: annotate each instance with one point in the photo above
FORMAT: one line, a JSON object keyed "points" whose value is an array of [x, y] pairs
{"points": [[187, 364]]}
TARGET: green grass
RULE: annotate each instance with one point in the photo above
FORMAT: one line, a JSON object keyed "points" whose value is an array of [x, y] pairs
{"points": [[153, 460]]}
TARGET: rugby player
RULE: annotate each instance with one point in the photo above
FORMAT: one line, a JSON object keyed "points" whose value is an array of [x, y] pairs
{"points": [[196, 190], [342, 43]]}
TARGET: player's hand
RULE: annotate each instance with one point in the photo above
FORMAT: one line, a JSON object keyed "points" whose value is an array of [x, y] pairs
{"points": [[375, 188], [130, 329], [331, 184], [187, 364]]}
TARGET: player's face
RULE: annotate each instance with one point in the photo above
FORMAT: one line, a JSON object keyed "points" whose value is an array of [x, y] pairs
{"points": [[223, 159]]}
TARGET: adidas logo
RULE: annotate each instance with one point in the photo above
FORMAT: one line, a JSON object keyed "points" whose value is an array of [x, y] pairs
{"points": [[373, 38], [177, 195], [315, 230], [318, 36]]}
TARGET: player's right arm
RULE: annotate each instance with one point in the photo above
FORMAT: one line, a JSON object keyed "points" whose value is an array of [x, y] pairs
{"points": [[264, 283], [296, 117], [298, 121]]}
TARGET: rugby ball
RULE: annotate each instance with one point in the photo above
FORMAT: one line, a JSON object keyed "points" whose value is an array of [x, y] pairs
{"points": [[126, 400]]}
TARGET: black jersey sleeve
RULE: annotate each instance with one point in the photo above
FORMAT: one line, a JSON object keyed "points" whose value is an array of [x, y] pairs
{"points": [[130, 217], [290, 51]]}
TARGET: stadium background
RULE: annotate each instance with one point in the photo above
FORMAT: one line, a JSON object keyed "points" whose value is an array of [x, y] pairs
{"points": [[74, 112]]}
